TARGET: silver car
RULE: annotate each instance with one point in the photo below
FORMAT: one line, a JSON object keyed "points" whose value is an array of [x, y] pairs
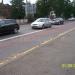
{"points": [[42, 23]]}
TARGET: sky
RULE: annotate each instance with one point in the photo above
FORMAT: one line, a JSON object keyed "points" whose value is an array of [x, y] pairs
{"points": [[8, 1]]}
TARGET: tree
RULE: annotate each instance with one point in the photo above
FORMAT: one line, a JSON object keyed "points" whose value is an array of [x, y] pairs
{"points": [[45, 6], [67, 8], [73, 4], [42, 8], [17, 9], [61, 7]]}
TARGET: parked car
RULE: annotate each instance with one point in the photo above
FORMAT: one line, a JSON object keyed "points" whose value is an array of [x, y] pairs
{"points": [[8, 25], [71, 19], [42, 23], [58, 21]]}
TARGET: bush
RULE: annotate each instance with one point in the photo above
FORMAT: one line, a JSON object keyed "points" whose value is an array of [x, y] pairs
{"points": [[30, 18]]}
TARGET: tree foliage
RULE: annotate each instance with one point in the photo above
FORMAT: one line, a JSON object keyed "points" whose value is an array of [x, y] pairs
{"points": [[17, 9], [61, 7], [73, 4], [42, 8]]}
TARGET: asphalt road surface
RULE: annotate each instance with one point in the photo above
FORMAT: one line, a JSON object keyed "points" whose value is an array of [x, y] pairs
{"points": [[39, 53]]}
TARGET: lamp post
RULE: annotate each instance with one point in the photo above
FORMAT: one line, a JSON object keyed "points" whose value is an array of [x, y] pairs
{"points": [[26, 8]]}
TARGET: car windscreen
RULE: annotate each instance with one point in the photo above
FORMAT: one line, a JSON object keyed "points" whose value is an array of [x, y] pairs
{"points": [[43, 20], [10, 21], [2, 23]]}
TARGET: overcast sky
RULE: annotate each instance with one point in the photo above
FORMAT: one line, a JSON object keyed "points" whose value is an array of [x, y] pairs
{"points": [[8, 1]]}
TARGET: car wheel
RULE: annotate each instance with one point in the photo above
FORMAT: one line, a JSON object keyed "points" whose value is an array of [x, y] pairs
{"points": [[43, 27], [15, 30]]}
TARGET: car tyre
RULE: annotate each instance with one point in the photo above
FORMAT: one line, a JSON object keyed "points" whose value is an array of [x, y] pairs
{"points": [[15, 30], [62, 23], [43, 26]]}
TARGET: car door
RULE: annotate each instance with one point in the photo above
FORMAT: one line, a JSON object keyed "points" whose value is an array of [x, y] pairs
{"points": [[45, 23], [2, 26], [6, 27], [48, 22], [9, 25]]}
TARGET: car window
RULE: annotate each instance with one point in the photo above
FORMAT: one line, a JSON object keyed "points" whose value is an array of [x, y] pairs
{"points": [[41, 20], [9, 22], [14, 21], [48, 20], [2, 23]]}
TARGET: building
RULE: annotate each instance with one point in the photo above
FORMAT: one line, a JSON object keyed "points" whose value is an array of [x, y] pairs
{"points": [[5, 10], [30, 9]]}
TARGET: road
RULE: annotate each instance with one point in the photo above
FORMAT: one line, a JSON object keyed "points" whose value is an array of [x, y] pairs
{"points": [[39, 53]]}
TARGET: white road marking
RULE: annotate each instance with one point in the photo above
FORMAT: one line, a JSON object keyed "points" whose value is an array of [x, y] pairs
{"points": [[20, 36]]}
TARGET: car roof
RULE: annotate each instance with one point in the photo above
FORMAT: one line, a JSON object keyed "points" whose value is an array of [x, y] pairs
{"points": [[43, 18]]}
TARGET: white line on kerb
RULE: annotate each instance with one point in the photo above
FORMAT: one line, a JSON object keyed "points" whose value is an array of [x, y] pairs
{"points": [[19, 36]]}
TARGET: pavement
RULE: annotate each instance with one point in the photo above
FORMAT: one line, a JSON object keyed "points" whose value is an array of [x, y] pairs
{"points": [[46, 59]]}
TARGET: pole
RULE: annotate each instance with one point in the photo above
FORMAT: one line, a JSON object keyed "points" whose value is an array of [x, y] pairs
{"points": [[2, 1], [26, 8]]}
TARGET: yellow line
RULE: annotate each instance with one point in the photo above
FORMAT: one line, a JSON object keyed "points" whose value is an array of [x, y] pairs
{"points": [[46, 42], [14, 57], [58, 36]]}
